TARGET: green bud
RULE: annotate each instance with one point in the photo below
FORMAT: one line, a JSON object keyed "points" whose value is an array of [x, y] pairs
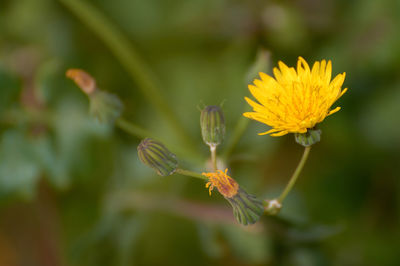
{"points": [[104, 106], [212, 125], [247, 209], [272, 207], [309, 138], [154, 154]]}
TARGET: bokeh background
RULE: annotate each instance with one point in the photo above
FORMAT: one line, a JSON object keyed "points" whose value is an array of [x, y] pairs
{"points": [[73, 192]]}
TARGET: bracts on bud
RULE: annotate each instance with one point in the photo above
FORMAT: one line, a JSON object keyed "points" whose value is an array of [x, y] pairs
{"points": [[309, 138], [212, 125], [104, 106], [155, 155], [247, 209]]}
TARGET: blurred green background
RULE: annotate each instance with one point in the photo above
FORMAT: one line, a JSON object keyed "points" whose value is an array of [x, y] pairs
{"points": [[73, 192]]}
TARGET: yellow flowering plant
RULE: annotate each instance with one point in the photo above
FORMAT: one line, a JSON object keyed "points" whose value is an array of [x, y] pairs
{"points": [[294, 101]]}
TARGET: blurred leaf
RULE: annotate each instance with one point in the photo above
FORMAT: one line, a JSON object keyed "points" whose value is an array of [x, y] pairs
{"points": [[128, 234], [312, 233], [248, 246], [51, 163], [19, 170], [208, 235], [305, 257]]}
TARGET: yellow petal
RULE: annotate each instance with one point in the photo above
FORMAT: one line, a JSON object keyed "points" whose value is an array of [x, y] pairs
{"points": [[269, 131], [279, 134], [334, 111]]}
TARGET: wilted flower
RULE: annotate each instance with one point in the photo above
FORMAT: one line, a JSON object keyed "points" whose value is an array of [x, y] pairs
{"points": [[247, 209], [82, 79], [226, 185], [154, 154], [104, 106], [212, 124], [295, 101]]}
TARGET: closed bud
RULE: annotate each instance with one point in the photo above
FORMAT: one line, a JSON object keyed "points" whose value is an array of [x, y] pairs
{"points": [[104, 106], [212, 125], [155, 155], [309, 138]]}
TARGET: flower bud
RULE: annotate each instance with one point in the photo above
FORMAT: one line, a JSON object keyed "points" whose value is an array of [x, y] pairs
{"points": [[309, 138], [212, 125], [154, 154], [104, 106]]}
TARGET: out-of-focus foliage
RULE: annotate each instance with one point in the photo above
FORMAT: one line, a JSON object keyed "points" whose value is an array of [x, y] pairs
{"points": [[73, 192]]}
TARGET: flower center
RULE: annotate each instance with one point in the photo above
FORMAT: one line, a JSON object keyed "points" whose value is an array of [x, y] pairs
{"points": [[226, 185]]}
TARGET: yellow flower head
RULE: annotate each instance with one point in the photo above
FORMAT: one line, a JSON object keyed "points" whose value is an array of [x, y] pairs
{"points": [[226, 185], [295, 101]]}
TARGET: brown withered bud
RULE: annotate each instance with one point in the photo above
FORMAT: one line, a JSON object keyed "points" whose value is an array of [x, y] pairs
{"points": [[82, 79]]}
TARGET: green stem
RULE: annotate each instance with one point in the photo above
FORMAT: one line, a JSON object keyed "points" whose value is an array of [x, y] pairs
{"points": [[142, 133], [213, 150], [191, 174], [129, 58], [133, 129], [295, 175]]}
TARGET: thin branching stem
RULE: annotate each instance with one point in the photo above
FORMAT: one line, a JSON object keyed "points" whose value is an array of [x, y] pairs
{"points": [[191, 174], [133, 129], [142, 133], [130, 59]]}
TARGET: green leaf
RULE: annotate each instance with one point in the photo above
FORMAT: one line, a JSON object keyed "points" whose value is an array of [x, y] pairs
{"points": [[19, 170]]}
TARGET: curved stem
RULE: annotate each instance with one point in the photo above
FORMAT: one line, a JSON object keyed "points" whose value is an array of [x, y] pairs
{"points": [[129, 58], [133, 129], [295, 175], [191, 174]]}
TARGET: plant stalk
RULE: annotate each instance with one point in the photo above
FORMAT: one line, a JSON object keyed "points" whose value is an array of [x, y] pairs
{"points": [[213, 150], [295, 175], [130, 59], [191, 174]]}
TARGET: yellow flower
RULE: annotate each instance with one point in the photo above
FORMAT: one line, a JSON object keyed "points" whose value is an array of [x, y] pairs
{"points": [[295, 101], [226, 185]]}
